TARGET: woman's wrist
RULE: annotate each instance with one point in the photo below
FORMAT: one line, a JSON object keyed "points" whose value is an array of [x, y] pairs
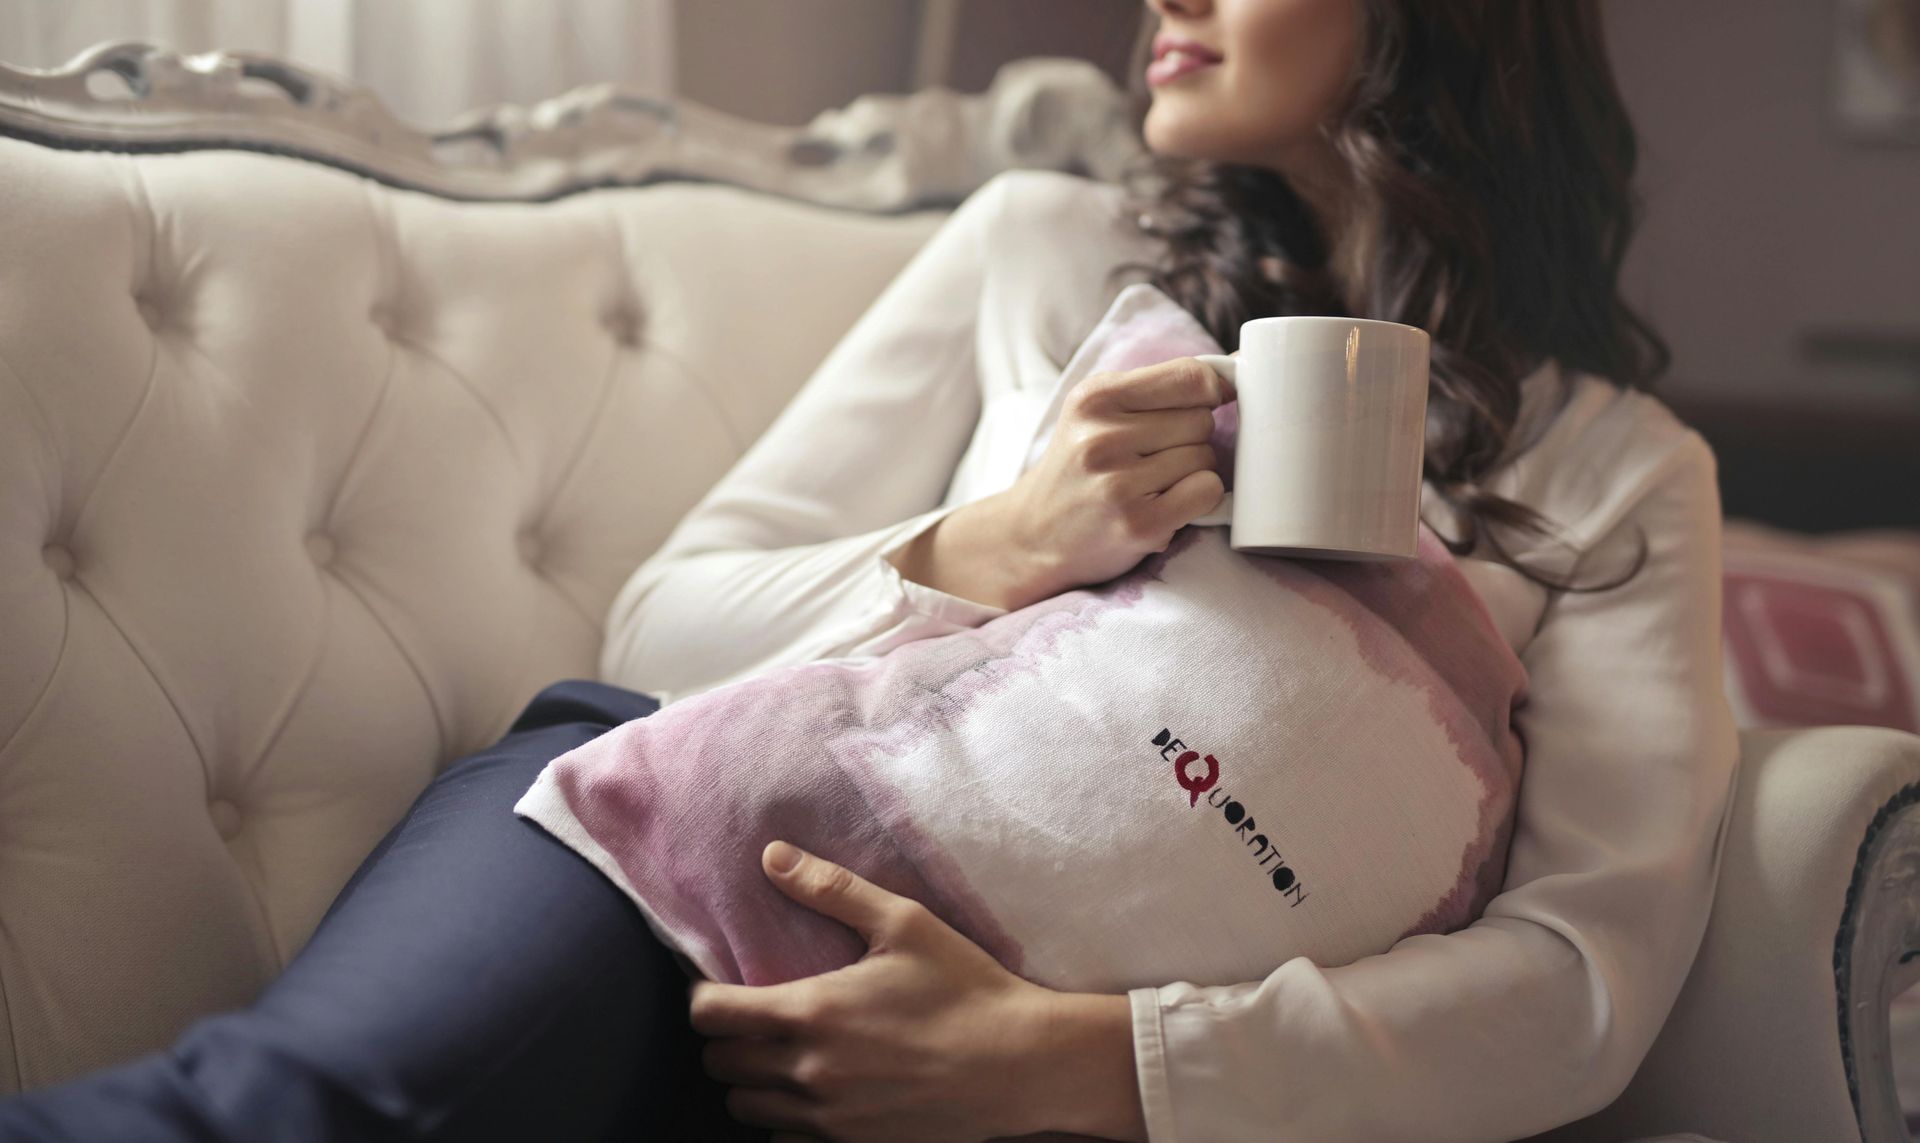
{"points": [[976, 553], [1085, 1082]]}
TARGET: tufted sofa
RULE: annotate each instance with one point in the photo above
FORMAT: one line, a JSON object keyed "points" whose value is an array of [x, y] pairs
{"points": [[306, 486], [308, 483]]}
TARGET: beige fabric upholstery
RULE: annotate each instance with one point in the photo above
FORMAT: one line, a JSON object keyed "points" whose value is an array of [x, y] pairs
{"points": [[306, 486], [1751, 1051]]}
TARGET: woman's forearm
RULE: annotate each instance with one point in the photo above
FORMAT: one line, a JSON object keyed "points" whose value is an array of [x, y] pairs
{"points": [[1085, 1082], [976, 553]]}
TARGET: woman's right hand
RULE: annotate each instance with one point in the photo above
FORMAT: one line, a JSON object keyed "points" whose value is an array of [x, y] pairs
{"points": [[1127, 467]]}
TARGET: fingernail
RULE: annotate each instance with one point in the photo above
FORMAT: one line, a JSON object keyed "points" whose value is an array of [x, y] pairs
{"points": [[781, 857]]}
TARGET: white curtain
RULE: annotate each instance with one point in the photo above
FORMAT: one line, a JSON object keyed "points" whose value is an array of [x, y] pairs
{"points": [[427, 59], [432, 59], [44, 33]]}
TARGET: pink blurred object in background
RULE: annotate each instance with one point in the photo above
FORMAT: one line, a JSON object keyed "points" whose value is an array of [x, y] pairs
{"points": [[1822, 630]]}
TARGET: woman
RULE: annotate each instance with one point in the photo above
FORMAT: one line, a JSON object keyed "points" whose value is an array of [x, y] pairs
{"points": [[1463, 167]]}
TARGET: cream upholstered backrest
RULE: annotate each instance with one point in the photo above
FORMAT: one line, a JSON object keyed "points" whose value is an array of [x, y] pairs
{"points": [[306, 486]]}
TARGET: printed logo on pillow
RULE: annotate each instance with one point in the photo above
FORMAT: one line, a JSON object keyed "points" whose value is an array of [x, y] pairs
{"points": [[1282, 876]]}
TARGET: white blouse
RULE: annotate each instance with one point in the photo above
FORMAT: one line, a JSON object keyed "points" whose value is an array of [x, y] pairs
{"points": [[1534, 1015]]}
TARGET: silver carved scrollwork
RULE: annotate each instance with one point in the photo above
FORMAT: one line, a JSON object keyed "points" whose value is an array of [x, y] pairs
{"points": [[880, 153], [1880, 961]]}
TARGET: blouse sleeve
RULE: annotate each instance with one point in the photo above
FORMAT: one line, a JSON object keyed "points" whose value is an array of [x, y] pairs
{"points": [[1540, 1012], [784, 560]]}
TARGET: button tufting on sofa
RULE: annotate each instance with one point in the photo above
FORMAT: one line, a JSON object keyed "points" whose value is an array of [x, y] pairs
{"points": [[226, 818], [59, 560], [321, 548], [386, 316], [152, 310], [532, 548], [623, 323]]}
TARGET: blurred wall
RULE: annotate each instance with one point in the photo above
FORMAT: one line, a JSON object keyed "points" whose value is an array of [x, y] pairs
{"points": [[1766, 226], [785, 61], [991, 32]]}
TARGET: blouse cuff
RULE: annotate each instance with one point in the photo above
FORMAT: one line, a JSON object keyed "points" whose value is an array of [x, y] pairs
{"points": [[1150, 1065], [920, 599]]}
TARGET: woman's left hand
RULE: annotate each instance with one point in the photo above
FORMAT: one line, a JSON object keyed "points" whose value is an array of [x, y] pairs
{"points": [[926, 1037]]}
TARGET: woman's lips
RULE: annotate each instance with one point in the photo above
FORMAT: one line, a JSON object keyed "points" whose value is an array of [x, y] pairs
{"points": [[1175, 64]]}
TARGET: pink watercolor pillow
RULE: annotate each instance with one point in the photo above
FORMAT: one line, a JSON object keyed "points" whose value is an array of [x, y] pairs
{"points": [[1195, 772], [1192, 772]]}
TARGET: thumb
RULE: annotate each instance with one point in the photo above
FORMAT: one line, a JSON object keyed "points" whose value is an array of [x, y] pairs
{"points": [[832, 890]]}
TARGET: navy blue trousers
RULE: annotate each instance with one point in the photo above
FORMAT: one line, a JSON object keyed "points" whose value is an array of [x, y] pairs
{"points": [[475, 980]]}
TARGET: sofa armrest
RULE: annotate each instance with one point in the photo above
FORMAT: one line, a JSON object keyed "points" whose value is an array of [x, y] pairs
{"points": [[1780, 1031]]}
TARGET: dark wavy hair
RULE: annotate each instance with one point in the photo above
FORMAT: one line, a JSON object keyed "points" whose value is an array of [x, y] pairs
{"points": [[1492, 161]]}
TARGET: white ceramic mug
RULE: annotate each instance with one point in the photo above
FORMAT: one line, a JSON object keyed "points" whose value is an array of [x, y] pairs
{"points": [[1333, 419]]}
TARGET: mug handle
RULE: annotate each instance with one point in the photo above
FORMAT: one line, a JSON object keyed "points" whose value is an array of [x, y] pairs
{"points": [[1228, 367]]}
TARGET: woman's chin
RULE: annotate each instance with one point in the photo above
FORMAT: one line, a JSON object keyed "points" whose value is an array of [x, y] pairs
{"points": [[1174, 144], [1184, 132]]}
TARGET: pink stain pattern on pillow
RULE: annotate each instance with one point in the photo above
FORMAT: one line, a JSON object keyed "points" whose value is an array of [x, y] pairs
{"points": [[684, 801], [1414, 606]]}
